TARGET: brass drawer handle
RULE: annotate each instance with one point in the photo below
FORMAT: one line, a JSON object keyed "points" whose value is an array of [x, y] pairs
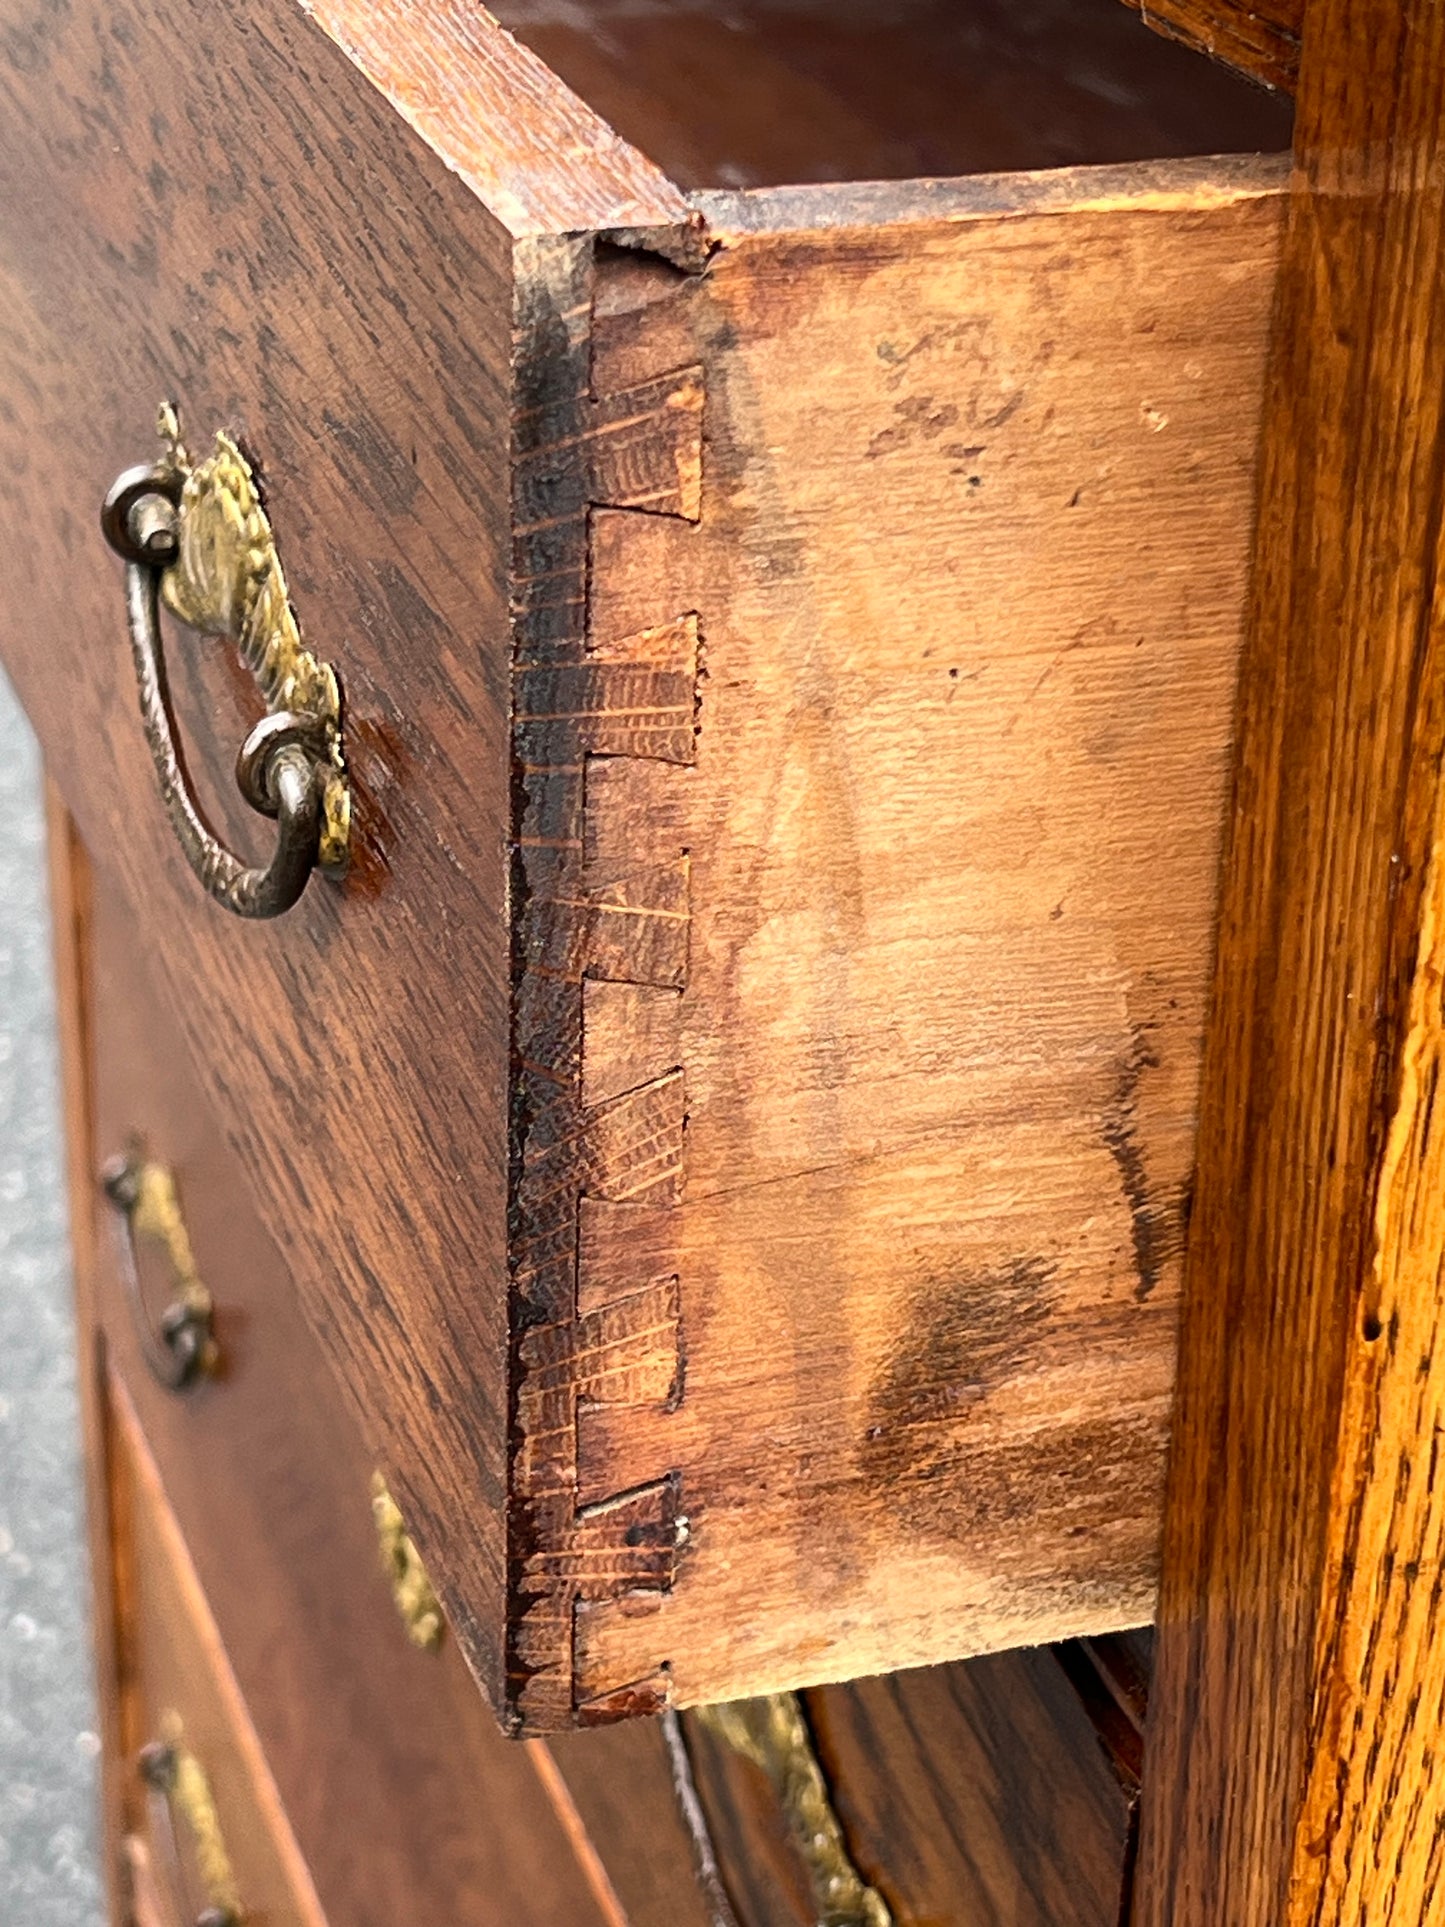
{"points": [[182, 1347], [176, 1784], [197, 539]]}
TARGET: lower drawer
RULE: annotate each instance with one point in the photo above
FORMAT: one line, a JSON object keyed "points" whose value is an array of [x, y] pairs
{"points": [[203, 1828], [408, 1804], [1002, 1790]]}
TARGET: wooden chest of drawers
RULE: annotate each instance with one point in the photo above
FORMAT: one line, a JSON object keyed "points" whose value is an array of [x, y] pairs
{"points": [[730, 538], [757, 663], [731, 1127]]}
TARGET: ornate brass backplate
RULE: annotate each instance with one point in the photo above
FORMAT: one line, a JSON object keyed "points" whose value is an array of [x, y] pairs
{"points": [[418, 1605], [196, 540], [180, 1345], [226, 580], [772, 1731], [178, 1789]]}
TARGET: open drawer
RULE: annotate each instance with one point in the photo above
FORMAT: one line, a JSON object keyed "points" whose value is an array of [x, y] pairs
{"points": [[731, 1127]]}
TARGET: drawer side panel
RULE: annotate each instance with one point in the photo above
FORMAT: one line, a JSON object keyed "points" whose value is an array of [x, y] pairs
{"points": [[969, 571]]}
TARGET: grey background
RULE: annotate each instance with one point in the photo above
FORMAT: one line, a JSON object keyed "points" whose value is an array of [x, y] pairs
{"points": [[49, 1869]]}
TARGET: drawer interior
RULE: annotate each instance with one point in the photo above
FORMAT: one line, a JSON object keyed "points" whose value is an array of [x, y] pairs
{"points": [[756, 93]]}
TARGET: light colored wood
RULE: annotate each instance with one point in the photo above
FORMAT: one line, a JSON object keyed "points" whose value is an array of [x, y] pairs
{"points": [[1379, 1686], [176, 1668], [886, 1158], [1293, 1777]]}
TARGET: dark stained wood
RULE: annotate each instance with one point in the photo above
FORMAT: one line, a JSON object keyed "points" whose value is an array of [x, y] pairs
{"points": [[1294, 1773], [176, 1684], [980, 1792], [1262, 40], [283, 255], [613, 1343], [758, 92], [270, 1484]]}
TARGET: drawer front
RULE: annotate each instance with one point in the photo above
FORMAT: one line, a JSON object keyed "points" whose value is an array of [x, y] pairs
{"points": [[271, 1486], [204, 1825]]}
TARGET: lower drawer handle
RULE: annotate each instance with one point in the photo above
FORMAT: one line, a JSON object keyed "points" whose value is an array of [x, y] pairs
{"points": [[197, 539], [182, 1347], [175, 1785]]}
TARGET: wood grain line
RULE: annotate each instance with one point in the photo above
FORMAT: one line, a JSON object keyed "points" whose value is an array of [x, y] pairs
{"points": [[1292, 1775], [534, 153]]}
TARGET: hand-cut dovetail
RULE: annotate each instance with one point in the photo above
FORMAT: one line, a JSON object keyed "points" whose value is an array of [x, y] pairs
{"points": [[605, 904]]}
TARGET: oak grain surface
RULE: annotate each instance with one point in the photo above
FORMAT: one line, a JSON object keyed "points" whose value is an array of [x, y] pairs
{"points": [[979, 1792], [269, 1482], [950, 831], [1294, 1773], [284, 257], [1262, 40]]}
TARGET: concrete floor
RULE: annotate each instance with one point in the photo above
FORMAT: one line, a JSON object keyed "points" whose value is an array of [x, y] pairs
{"points": [[49, 1871]]}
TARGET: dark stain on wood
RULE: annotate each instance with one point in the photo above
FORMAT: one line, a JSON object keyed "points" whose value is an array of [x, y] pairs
{"points": [[964, 1337], [1156, 1227]]}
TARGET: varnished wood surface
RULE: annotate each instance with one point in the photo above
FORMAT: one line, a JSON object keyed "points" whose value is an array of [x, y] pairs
{"points": [[531, 151], [764, 92], [173, 1667], [1294, 1774], [281, 254], [1260, 40], [270, 1484], [986, 1793], [945, 849], [981, 1793], [69, 881]]}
